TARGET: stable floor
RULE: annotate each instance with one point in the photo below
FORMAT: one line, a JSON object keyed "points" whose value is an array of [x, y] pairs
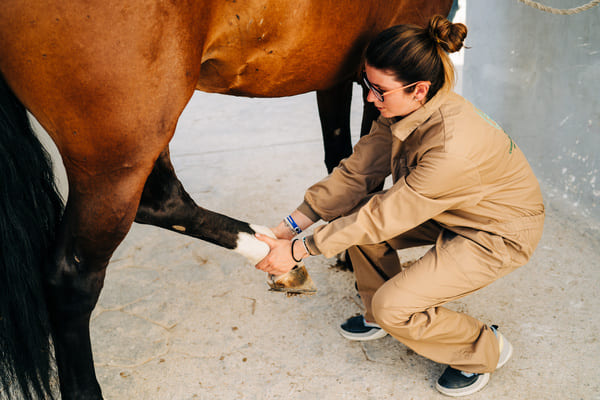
{"points": [[183, 319]]}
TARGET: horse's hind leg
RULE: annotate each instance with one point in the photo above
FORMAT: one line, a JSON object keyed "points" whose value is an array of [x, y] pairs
{"points": [[166, 204]]}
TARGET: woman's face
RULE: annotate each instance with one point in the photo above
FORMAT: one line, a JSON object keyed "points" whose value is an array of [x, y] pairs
{"points": [[398, 103]]}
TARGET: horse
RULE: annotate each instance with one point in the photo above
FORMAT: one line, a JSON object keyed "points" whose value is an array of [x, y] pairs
{"points": [[108, 80]]}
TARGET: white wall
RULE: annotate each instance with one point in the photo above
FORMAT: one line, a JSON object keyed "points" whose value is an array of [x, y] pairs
{"points": [[538, 75]]}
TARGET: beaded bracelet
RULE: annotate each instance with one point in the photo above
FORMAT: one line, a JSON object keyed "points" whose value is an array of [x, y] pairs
{"points": [[305, 246]]}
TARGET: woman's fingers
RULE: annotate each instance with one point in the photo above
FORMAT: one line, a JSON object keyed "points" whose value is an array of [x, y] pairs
{"points": [[279, 259], [268, 240]]}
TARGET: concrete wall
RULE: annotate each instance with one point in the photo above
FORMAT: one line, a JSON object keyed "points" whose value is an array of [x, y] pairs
{"points": [[538, 75]]}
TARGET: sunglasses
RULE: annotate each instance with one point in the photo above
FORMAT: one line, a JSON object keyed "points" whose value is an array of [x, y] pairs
{"points": [[378, 93]]}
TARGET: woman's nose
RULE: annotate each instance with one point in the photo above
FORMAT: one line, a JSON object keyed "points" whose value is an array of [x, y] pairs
{"points": [[371, 97]]}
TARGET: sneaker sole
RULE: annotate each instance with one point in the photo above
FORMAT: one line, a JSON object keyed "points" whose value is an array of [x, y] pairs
{"points": [[363, 337], [479, 384], [507, 351]]}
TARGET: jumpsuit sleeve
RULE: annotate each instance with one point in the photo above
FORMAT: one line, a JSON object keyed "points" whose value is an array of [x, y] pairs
{"points": [[439, 182], [356, 175]]}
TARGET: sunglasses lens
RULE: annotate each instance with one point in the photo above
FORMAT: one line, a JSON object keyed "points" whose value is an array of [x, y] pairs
{"points": [[376, 92]]}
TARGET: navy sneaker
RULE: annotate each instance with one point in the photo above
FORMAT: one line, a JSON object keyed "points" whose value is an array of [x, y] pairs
{"points": [[356, 328], [457, 383]]}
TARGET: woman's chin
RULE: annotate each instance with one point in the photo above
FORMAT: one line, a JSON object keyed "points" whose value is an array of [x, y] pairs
{"points": [[386, 114]]}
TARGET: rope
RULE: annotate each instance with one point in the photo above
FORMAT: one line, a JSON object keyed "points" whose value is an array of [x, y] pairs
{"points": [[568, 11]]}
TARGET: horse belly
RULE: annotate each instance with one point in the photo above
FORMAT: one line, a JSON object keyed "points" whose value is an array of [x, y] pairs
{"points": [[260, 48], [275, 49]]}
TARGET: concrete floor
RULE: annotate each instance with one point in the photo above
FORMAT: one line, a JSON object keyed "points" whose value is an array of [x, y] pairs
{"points": [[183, 319]]}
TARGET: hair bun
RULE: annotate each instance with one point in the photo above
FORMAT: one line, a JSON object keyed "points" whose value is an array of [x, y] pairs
{"points": [[448, 35]]}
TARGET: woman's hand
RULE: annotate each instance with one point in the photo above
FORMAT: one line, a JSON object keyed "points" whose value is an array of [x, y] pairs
{"points": [[279, 260]]}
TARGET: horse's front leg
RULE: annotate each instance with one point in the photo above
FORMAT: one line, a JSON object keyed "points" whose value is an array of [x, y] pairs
{"points": [[165, 203], [334, 113], [99, 212]]}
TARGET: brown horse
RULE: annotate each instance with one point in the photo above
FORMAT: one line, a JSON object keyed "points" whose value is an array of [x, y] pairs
{"points": [[108, 81]]}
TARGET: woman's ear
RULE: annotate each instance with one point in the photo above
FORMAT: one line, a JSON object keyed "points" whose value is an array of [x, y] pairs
{"points": [[421, 90]]}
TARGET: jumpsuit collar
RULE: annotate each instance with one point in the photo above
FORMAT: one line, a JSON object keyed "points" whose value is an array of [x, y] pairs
{"points": [[403, 127]]}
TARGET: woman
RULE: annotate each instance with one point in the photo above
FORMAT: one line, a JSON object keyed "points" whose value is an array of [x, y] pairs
{"points": [[459, 183]]}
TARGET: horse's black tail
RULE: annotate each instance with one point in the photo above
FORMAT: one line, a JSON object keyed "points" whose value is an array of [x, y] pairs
{"points": [[30, 209]]}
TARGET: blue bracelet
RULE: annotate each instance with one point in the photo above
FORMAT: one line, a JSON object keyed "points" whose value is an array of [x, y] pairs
{"points": [[293, 225]]}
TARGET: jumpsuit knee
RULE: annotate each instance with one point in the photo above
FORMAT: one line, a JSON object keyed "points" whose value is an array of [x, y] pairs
{"points": [[409, 305]]}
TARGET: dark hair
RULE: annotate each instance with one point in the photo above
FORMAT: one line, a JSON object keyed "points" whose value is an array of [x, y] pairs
{"points": [[413, 53]]}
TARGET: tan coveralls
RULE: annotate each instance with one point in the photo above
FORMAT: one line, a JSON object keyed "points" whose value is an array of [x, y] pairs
{"points": [[459, 182]]}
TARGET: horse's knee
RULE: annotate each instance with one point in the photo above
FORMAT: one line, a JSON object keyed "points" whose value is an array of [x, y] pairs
{"points": [[72, 289]]}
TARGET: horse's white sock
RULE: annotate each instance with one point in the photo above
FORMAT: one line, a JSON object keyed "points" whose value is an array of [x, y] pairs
{"points": [[252, 248]]}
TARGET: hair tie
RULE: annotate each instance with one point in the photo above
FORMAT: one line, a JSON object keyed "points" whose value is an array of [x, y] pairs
{"points": [[294, 258]]}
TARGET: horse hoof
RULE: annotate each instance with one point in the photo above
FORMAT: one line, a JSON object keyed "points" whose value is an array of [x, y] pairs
{"points": [[296, 281]]}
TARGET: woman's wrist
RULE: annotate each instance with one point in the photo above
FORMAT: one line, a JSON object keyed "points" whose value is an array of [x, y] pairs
{"points": [[299, 250], [281, 231], [292, 225]]}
